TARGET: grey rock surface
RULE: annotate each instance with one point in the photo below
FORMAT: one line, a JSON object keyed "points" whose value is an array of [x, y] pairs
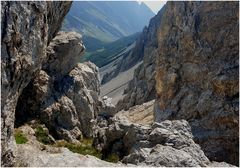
{"points": [[35, 154], [169, 143], [197, 75], [63, 53], [164, 144], [139, 114], [64, 95], [29, 156], [26, 29]]}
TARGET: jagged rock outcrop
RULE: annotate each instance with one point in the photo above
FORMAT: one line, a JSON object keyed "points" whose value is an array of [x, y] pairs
{"points": [[26, 28], [142, 87], [198, 73], [169, 143], [63, 54], [64, 95]]}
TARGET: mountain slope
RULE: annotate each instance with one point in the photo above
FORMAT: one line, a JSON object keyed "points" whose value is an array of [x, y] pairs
{"points": [[110, 51], [106, 21]]}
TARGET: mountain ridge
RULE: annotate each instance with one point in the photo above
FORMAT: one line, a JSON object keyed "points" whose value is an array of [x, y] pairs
{"points": [[106, 21]]}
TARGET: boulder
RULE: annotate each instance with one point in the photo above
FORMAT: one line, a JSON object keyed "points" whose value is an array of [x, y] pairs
{"points": [[26, 28], [63, 53]]}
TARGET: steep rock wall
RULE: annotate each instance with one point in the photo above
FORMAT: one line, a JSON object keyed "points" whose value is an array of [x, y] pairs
{"points": [[26, 29], [197, 73]]}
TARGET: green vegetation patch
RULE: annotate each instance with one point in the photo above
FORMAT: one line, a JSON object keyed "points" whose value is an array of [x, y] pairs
{"points": [[42, 135], [85, 147], [107, 52], [20, 137], [112, 157]]}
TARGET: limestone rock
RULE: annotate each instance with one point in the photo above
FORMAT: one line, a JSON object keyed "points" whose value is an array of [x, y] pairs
{"points": [[64, 52], [108, 109], [197, 73], [35, 154], [220, 164], [26, 29], [31, 156], [139, 114], [169, 143], [64, 95]]}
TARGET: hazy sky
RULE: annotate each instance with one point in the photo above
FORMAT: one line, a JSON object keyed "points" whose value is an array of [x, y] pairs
{"points": [[154, 5]]}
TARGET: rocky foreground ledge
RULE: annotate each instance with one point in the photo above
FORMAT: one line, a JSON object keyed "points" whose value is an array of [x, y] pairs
{"points": [[36, 154], [164, 144]]}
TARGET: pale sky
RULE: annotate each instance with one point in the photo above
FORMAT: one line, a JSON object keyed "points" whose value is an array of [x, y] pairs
{"points": [[155, 6]]}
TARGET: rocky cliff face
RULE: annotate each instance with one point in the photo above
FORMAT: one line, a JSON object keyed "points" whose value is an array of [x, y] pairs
{"points": [[64, 94], [196, 52], [26, 29], [142, 88], [197, 73]]}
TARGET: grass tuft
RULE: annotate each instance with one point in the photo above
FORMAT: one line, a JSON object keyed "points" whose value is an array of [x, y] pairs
{"points": [[20, 137], [112, 157], [42, 135], [84, 148]]}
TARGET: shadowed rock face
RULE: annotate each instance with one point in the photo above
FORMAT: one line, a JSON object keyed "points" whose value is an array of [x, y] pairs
{"points": [[198, 72], [43, 98], [26, 29]]}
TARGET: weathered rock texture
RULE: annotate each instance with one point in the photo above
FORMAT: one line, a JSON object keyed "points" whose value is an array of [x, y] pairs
{"points": [[139, 114], [64, 95], [26, 29], [142, 88], [198, 73], [30, 156], [169, 143]]}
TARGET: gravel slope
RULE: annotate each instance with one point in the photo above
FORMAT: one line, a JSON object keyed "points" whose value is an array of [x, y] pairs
{"points": [[114, 88]]}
